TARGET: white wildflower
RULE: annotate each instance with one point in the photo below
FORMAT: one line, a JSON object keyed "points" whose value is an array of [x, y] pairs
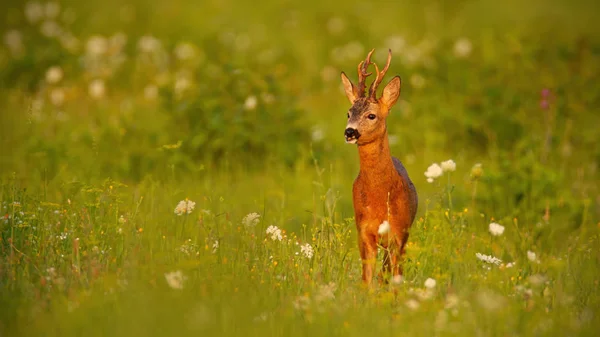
{"points": [[54, 74], [307, 250], [250, 103], [317, 134], [417, 81], [430, 283], [462, 47], [185, 207], [96, 45], [57, 96], [50, 28], [496, 229], [448, 165], [151, 92], [34, 11], [488, 258], [149, 44], [532, 256], [185, 51], [326, 292], [412, 304], [97, 89], [14, 41], [476, 171], [384, 227], [275, 233], [251, 219], [336, 25], [175, 279], [433, 171], [52, 10], [510, 264], [215, 246], [182, 84]]}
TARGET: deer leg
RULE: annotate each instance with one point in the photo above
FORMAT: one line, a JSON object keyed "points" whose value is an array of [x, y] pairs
{"points": [[368, 253], [398, 257], [386, 267]]}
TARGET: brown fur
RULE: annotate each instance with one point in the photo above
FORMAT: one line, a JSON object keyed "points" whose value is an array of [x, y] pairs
{"points": [[382, 191]]}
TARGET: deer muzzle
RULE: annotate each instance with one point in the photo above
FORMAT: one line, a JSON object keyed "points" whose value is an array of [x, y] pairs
{"points": [[351, 135]]}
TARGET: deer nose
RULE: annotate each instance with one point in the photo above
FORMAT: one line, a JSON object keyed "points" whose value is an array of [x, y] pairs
{"points": [[351, 133]]}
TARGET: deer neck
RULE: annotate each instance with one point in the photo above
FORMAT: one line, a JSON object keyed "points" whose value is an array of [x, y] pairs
{"points": [[376, 164]]}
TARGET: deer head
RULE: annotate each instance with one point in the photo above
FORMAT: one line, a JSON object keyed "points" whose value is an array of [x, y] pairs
{"points": [[367, 115]]}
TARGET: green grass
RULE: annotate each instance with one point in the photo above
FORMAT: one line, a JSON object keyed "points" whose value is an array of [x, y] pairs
{"points": [[252, 122]]}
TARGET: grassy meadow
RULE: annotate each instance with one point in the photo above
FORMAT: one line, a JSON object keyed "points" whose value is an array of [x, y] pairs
{"points": [[178, 168]]}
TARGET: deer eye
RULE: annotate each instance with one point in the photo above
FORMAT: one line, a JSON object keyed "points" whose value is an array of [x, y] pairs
{"points": [[371, 116]]}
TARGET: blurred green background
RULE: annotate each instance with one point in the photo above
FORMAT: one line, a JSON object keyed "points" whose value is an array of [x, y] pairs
{"points": [[238, 106]]}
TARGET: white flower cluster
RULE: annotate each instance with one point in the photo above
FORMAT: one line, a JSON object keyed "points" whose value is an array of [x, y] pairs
{"points": [[488, 258], [307, 250], [384, 227], [185, 207], [251, 219], [436, 170], [275, 233], [496, 229], [175, 279]]}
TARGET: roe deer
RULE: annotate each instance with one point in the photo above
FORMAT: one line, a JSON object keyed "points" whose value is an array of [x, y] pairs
{"points": [[382, 191]]}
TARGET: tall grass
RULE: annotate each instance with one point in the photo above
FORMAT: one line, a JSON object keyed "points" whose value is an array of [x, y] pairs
{"points": [[114, 115]]}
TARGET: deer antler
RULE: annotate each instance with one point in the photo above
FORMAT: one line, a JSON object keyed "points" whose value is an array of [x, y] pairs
{"points": [[380, 74], [362, 75]]}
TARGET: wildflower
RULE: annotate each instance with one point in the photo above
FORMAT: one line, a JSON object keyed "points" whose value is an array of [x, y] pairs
{"points": [[462, 48], [50, 28], [215, 246], [149, 44], [150, 92], [185, 206], [275, 233], [532, 256], [476, 171], [307, 250], [34, 11], [182, 84], [317, 134], [510, 264], [326, 292], [185, 51], [14, 41], [496, 229], [448, 165], [336, 25], [122, 220], [251, 219], [488, 258], [52, 10], [301, 303], [97, 89], [57, 96], [175, 279], [250, 103], [430, 283], [384, 227], [412, 304], [433, 171], [96, 45], [54, 74], [417, 81], [397, 279]]}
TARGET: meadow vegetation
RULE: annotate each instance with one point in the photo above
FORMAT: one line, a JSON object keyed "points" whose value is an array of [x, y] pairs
{"points": [[179, 168]]}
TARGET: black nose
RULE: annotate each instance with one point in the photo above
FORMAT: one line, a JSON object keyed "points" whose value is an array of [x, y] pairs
{"points": [[350, 132]]}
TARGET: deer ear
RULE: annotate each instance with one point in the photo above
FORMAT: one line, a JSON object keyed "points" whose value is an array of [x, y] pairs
{"points": [[391, 92], [348, 88]]}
